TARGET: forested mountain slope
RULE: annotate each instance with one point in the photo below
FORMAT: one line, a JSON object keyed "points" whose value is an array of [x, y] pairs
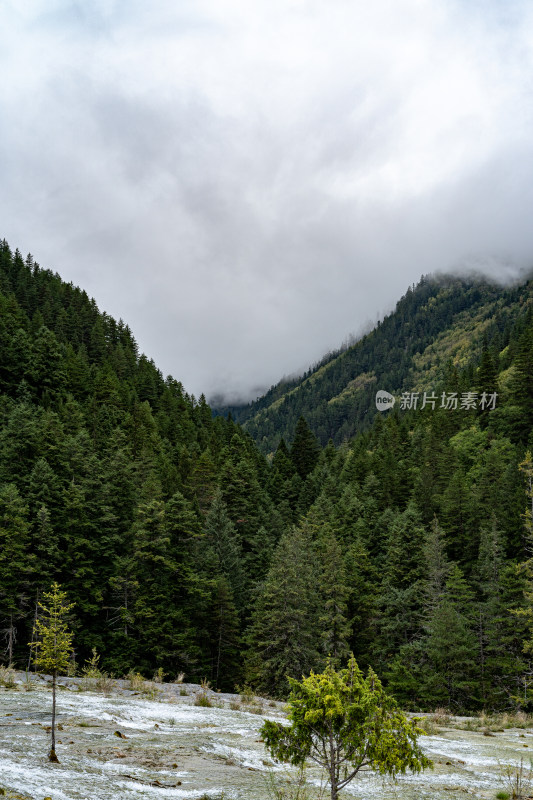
{"points": [[119, 485], [184, 549], [437, 323]]}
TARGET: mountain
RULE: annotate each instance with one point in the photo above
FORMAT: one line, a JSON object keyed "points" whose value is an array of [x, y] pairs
{"points": [[439, 325], [185, 550], [120, 486]]}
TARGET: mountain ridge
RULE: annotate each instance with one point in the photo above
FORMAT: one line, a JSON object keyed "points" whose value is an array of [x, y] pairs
{"points": [[441, 322]]}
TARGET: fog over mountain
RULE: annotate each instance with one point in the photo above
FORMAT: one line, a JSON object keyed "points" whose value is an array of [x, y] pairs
{"points": [[248, 183]]}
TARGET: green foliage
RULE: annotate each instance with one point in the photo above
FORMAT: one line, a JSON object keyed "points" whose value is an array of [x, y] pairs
{"points": [[518, 778], [184, 550], [203, 700], [15, 565], [284, 640], [345, 722], [52, 643], [439, 321], [53, 639]]}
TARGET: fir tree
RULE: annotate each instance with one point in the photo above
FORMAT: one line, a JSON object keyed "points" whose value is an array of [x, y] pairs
{"points": [[53, 643], [305, 449], [332, 619], [284, 640], [15, 561]]}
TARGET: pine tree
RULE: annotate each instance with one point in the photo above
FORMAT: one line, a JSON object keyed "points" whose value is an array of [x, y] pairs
{"points": [[154, 568], [283, 636], [225, 639], [402, 599], [450, 646], [305, 449], [363, 582], [53, 643], [15, 561], [332, 619], [438, 566], [221, 535], [522, 384]]}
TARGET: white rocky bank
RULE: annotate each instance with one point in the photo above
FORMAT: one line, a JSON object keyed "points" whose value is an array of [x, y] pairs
{"points": [[125, 744]]}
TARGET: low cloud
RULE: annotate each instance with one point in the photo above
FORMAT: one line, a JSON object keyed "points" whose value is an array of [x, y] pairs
{"points": [[247, 184]]}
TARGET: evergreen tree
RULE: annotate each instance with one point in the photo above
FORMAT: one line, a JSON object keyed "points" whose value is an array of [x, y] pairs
{"points": [[305, 449], [15, 562], [451, 646], [221, 535], [332, 619], [363, 582], [438, 566], [156, 619], [522, 384], [283, 637], [402, 598], [225, 640], [53, 643]]}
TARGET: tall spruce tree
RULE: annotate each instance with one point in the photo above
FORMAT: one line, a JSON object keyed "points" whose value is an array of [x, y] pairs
{"points": [[332, 619], [283, 637], [53, 642], [15, 562], [305, 449], [451, 646]]}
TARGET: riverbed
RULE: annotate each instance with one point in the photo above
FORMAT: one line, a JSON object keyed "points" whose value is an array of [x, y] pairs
{"points": [[158, 743]]}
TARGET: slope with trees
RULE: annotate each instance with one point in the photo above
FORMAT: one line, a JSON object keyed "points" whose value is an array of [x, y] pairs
{"points": [[184, 549], [439, 321]]}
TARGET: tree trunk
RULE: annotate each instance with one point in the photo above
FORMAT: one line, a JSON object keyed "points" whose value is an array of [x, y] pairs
{"points": [[482, 658], [33, 634], [11, 636], [52, 756], [332, 766]]}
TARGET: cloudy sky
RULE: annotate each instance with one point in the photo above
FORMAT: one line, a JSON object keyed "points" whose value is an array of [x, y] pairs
{"points": [[248, 182]]}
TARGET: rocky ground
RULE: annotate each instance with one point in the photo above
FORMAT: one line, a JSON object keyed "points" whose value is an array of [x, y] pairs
{"points": [[118, 741]]}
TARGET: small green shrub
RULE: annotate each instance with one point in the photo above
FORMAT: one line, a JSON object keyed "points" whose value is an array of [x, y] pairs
{"points": [[149, 691], [518, 779], [159, 675], [136, 681], [428, 725], [27, 683], [203, 700], [246, 693], [93, 676], [7, 677], [288, 786]]}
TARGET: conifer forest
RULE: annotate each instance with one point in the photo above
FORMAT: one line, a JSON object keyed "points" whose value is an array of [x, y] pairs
{"points": [[248, 545]]}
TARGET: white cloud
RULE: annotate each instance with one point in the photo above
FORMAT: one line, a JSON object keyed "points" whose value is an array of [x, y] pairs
{"points": [[246, 183]]}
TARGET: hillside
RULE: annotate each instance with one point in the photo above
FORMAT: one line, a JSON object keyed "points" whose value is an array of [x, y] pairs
{"points": [[185, 550], [439, 324], [119, 485]]}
